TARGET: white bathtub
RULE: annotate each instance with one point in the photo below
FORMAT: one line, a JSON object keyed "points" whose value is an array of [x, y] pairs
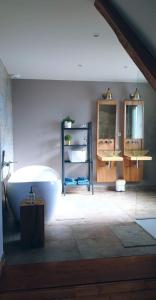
{"points": [[45, 182]]}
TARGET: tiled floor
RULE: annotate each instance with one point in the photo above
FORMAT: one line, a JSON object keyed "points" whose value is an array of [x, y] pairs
{"points": [[83, 227]]}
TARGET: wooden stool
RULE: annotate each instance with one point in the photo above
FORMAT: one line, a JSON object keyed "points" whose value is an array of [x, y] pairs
{"points": [[32, 223]]}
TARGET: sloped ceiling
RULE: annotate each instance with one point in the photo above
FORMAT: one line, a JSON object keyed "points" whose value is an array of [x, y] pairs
{"points": [[61, 40], [142, 15], [133, 24]]}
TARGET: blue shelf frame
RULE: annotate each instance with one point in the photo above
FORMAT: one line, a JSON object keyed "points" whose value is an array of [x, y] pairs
{"points": [[89, 160]]}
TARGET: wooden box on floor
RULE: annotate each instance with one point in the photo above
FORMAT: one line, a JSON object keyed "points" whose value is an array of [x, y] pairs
{"points": [[32, 223]]}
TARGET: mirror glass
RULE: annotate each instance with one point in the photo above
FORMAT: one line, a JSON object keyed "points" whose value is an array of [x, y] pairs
{"points": [[107, 121], [134, 122]]}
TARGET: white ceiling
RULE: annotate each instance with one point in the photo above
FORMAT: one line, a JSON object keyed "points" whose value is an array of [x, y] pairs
{"points": [[53, 39]]}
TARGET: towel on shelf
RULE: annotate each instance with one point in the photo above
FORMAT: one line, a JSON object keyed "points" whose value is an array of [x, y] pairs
{"points": [[70, 181], [82, 180]]}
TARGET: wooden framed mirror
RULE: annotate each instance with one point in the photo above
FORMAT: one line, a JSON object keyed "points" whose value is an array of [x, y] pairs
{"points": [[106, 125], [133, 124], [133, 141], [106, 154]]}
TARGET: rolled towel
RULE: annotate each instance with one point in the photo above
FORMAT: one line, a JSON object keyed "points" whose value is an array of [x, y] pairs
{"points": [[69, 179], [74, 182], [81, 178], [86, 181]]}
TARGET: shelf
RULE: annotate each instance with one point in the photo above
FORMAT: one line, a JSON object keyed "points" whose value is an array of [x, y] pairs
{"points": [[87, 144], [76, 145], [77, 162], [77, 184], [76, 128]]}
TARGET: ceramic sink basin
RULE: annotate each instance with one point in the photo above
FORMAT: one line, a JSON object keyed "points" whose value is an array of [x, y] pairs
{"points": [[109, 155], [138, 155]]}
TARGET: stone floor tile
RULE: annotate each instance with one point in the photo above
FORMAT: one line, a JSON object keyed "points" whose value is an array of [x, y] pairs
{"points": [[82, 227]]}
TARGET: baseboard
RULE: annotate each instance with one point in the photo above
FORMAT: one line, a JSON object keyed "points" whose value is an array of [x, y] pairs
{"points": [[2, 262]]}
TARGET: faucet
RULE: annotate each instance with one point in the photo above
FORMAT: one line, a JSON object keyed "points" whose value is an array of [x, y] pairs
{"points": [[6, 163], [108, 141]]}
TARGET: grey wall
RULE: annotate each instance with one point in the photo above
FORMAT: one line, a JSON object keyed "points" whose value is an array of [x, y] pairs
{"points": [[39, 107], [6, 137]]}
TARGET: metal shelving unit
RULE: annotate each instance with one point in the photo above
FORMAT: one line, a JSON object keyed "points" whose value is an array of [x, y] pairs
{"points": [[88, 162]]}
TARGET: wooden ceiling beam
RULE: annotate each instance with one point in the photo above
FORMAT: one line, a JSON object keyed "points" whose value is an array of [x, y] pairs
{"points": [[129, 39]]}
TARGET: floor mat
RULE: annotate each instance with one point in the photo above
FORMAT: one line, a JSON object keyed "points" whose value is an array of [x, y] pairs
{"points": [[132, 235], [149, 225]]}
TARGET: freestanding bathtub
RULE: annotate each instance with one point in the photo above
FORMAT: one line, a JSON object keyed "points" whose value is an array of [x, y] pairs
{"points": [[44, 181]]}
